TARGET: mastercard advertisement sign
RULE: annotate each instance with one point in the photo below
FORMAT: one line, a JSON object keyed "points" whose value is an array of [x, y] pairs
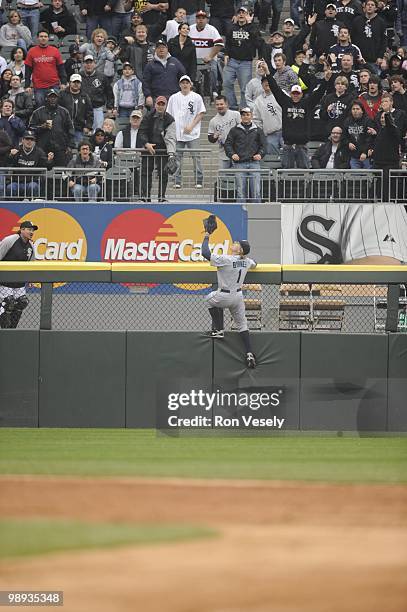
{"points": [[129, 233]]}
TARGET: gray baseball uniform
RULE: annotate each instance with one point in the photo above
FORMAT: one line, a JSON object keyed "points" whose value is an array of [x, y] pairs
{"points": [[232, 270]]}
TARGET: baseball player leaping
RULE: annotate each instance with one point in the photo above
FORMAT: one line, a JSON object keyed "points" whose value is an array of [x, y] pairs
{"points": [[231, 273]]}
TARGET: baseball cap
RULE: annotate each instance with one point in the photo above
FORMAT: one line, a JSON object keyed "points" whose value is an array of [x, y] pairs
{"points": [[112, 39], [296, 88], [28, 225], [88, 57], [246, 109], [242, 8], [127, 64], [29, 134], [201, 14], [75, 77], [136, 113], [74, 48], [161, 99], [185, 77], [289, 20], [52, 92], [277, 32], [330, 4], [161, 42]]}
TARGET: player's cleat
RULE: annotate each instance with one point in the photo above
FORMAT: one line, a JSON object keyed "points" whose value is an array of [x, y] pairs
{"points": [[215, 333], [250, 360], [177, 186]]}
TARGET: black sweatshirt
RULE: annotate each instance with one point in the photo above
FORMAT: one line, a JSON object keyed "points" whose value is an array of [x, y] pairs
{"points": [[243, 42], [369, 36]]}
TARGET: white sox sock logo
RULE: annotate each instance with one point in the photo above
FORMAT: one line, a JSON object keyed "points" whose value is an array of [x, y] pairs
{"points": [[311, 241]]}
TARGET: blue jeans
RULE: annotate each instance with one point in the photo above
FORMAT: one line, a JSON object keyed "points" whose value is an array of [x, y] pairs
{"points": [[242, 71], [98, 117], [102, 21], [356, 164], [23, 189], [295, 11], [120, 22], [245, 180], [196, 160], [295, 156], [274, 143], [31, 19], [92, 191], [2, 187], [40, 94], [125, 112]]}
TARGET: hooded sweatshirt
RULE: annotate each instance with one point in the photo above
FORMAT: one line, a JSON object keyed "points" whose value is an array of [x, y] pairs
{"points": [[267, 113], [355, 132]]}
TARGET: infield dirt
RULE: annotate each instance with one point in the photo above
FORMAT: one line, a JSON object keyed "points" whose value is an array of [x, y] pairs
{"points": [[282, 546]]}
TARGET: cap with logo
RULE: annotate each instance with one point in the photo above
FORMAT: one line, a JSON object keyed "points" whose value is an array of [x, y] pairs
{"points": [[289, 20], [88, 58], [245, 109], [296, 88], [201, 14], [136, 113], [161, 99], [242, 8], [28, 225], [126, 64], [185, 77], [75, 77], [277, 32], [112, 39], [161, 42], [29, 134], [330, 5], [52, 92]]}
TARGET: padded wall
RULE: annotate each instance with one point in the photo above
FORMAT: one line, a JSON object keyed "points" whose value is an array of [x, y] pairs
{"points": [[83, 378], [397, 420], [344, 382], [19, 355]]}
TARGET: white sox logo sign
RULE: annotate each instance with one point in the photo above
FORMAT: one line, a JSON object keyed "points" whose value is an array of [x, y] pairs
{"points": [[311, 241]]}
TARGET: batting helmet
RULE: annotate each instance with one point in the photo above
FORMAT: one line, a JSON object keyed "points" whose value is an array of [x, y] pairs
{"points": [[245, 246]]}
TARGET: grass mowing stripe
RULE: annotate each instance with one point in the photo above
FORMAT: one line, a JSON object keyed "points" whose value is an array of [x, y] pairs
{"points": [[101, 452], [28, 537]]}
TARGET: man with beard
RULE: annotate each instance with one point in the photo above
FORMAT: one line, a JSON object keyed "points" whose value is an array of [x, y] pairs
{"points": [[79, 107]]}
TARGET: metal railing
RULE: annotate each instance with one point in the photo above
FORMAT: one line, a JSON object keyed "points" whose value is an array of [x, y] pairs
{"points": [[236, 185], [23, 184], [398, 186], [77, 184]]}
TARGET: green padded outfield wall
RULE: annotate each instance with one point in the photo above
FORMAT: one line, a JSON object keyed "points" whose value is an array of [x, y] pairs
{"points": [[19, 355], [344, 382], [397, 419]]}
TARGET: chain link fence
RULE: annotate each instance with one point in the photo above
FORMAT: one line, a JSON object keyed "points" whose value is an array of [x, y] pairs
{"points": [[168, 307]]}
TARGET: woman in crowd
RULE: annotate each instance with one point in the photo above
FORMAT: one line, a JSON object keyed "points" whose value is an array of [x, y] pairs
{"points": [[14, 33], [16, 63], [5, 82], [98, 49], [183, 49]]}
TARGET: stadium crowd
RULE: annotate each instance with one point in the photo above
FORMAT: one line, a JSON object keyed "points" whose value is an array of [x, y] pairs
{"points": [[334, 72]]}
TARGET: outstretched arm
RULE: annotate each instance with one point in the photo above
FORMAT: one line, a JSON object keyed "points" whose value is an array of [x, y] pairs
{"points": [[205, 247]]}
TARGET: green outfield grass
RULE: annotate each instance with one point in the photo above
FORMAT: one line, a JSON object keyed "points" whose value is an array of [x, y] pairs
{"points": [[127, 452], [28, 537]]}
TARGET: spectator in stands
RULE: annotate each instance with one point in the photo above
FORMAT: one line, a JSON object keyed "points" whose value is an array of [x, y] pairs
{"points": [[296, 67], [5, 82], [191, 7], [161, 76], [325, 32], [129, 138], [27, 157], [371, 99], [221, 15], [246, 146], [398, 89], [172, 26], [58, 20], [388, 142], [54, 129], [332, 154], [158, 137], [79, 107], [98, 88], [356, 134], [219, 128], [154, 13], [368, 33], [347, 10], [84, 183], [127, 92], [364, 78], [268, 117], [344, 45], [254, 88], [97, 49], [14, 126], [335, 106], [188, 109], [263, 10], [296, 112], [14, 33], [102, 147], [73, 65], [208, 42], [272, 48], [129, 34], [182, 48], [394, 67], [109, 128], [242, 44], [45, 67], [3, 64], [97, 14], [5, 148], [110, 69], [294, 42], [139, 52], [16, 63], [344, 68], [284, 76], [30, 15], [387, 10], [23, 103], [401, 22], [121, 16]]}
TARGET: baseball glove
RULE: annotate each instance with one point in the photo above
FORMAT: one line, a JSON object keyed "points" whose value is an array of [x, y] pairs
{"points": [[172, 165], [210, 224]]}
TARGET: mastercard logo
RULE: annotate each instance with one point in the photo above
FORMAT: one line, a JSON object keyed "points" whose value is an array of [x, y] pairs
{"points": [[147, 236]]}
